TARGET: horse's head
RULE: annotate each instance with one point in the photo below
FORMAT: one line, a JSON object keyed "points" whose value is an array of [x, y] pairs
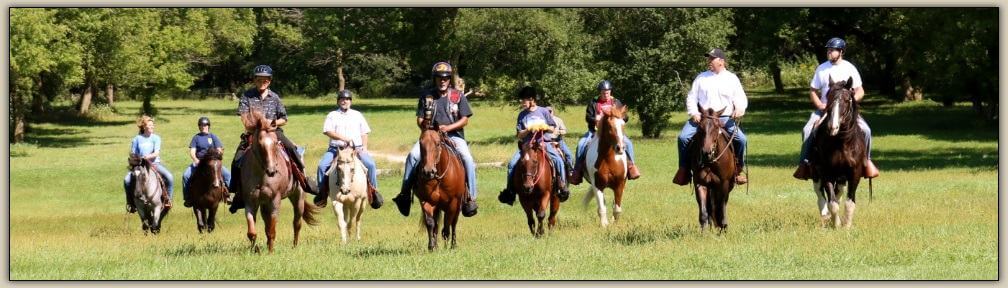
{"points": [[840, 104], [533, 154], [345, 168], [430, 150], [212, 161], [263, 140], [610, 128], [709, 129]]}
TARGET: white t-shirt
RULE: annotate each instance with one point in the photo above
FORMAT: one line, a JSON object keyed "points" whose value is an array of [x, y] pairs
{"points": [[841, 71], [349, 124], [716, 91]]}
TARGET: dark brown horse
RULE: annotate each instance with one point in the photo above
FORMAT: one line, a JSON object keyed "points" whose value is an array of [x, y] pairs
{"points": [[838, 153], [535, 175], [712, 164], [606, 163], [208, 189], [267, 179], [441, 185]]}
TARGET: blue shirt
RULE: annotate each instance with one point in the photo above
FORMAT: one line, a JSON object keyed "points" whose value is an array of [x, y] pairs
{"points": [[202, 142], [529, 118], [143, 145]]}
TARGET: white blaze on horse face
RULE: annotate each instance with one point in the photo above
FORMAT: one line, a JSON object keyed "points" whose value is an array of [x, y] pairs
{"points": [[834, 124], [618, 123]]}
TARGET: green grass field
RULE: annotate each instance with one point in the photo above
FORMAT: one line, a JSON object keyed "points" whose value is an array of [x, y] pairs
{"points": [[934, 214]]}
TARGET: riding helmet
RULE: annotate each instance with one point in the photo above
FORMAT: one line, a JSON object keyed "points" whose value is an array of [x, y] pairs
{"points": [[441, 69], [528, 92], [203, 121], [604, 85], [836, 43], [345, 93], [263, 70]]}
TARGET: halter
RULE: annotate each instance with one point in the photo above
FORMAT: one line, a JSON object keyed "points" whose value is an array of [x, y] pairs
{"points": [[730, 137], [353, 168], [536, 174]]}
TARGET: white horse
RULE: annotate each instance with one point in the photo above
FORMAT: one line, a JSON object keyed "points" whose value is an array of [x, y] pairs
{"points": [[350, 177], [147, 196], [607, 145]]}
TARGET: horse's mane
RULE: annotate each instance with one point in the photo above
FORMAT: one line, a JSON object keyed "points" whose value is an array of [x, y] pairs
{"points": [[254, 119], [211, 154]]}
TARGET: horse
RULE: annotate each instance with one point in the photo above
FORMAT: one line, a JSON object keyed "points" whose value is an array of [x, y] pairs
{"points": [[350, 176], [712, 164], [838, 154], [606, 163], [267, 179], [207, 189], [148, 194], [441, 186], [534, 174]]}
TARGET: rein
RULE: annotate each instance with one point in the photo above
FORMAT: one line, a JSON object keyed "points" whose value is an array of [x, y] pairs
{"points": [[537, 175]]}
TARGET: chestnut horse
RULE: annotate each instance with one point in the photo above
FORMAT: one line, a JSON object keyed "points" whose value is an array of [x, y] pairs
{"points": [[149, 194], [606, 163], [208, 189], [534, 174], [712, 164], [838, 154], [349, 177], [441, 186], [267, 179]]}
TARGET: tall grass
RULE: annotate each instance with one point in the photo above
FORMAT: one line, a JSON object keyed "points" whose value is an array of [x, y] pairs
{"points": [[933, 214]]}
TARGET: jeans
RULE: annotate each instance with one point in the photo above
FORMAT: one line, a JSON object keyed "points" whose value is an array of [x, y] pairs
{"points": [[689, 129], [330, 155], [583, 142], [461, 146], [554, 156], [807, 134], [188, 174], [169, 180], [566, 152]]}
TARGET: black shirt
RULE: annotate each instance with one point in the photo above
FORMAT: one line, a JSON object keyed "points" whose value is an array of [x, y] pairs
{"points": [[446, 111]]}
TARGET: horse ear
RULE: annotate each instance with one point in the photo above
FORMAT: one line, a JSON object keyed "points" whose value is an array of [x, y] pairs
{"points": [[719, 112], [831, 80], [247, 121], [700, 108], [850, 83]]}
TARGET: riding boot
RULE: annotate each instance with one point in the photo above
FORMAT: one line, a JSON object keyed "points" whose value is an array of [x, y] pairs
{"points": [[870, 170], [804, 170], [632, 172], [130, 207], [323, 194], [404, 199], [186, 198], [374, 197], [740, 178], [681, 176], [236, 201], [563, 193], [166, 200], [507, 196], [469, 207], [577, 174]]}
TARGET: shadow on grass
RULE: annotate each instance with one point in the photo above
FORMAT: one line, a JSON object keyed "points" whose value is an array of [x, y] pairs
{"points": [[902, 159], [640, 235], [378, 251], [190, 250], [499, 140], [57, 137]]}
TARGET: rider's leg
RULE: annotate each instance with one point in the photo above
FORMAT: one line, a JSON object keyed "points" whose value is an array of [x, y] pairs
{"points": [[169, 181], [372, 173], [226, 173], [558, 164], [405, 197], [507, 196], [685, 135], [870, 170], [127, 182], [291, 150], [804, 167], [323, 179], [235, 185], [579, 160], [185, 185], [567, 155], [741, 143], [632, 172], [468, 207]]}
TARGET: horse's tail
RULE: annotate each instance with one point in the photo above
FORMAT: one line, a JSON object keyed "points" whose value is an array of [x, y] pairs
{"points": [[310, 213]]}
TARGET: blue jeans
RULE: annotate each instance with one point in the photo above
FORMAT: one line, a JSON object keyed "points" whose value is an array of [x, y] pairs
{"points": [[583, 142], [566, 152], [807, 133], [188, 174], [554, 156], [467, 160], [169, 180], [330, 155], [690, 129]]}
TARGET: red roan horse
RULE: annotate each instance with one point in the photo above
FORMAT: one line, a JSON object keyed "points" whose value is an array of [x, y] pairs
{"points": [[441, 185], [535, 175], [207, 189], [838, 153], [267, 179], [712, 163]]}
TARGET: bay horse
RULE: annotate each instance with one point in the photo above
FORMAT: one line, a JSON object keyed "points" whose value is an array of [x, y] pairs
{"points": [[149, 194], [838, 154], [535, 174], [267, 179], [207, 189], [441, 186], [350, 177], [712, 164], [606, 163]]}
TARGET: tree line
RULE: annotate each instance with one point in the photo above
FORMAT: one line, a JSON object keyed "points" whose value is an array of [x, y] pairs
{"points": [[91, 55]]}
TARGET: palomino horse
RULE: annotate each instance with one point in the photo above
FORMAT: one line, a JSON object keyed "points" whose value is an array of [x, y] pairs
{"points": [[441, 186], [712, 163], [350, 176], [606, 163], [267, 179], [207, 189], [148, 194], [838, 154], [536, 179]]}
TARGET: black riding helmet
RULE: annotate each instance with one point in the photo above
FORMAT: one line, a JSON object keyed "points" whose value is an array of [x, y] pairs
{"points": [[345, 93], [528, 92], [836, 43], [203, 121], [604, 85]]}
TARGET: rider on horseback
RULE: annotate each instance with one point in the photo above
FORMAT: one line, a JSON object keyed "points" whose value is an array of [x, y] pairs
{"points": [[716, 88], [147, 145], [592, 115], [198, 146], [345, 127], [837, 68], [531, 117], [451, 113], [268, 101]]}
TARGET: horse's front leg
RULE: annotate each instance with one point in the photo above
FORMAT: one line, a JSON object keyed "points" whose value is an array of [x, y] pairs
{"points": [[250, 219], [431, 223], [298, 202], [270, 216], [554, 209], [618, 200], [701, 197], [450, 219], [600, 199], [212, 218], [820, 191], [834, 206], [337, 207], [357, 215], [543, 205], [850, 205], [200, 225]]}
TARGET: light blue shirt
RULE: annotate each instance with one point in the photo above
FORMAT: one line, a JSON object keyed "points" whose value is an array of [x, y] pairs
{"points": [[143, 145]]}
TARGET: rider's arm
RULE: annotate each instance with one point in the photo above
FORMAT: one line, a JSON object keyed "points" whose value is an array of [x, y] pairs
{"points": [[691, 101], [814, 96], [858, 94], [280, 122], [419, 122], [455, 126], [363, 137], [192, 154], [336, 136]]}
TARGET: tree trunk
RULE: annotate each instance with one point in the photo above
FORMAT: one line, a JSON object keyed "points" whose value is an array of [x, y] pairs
{"points": [[911, 93], [38, 101], [339, 70], [110, 94], [17, 129], [148, 108], [85, 100], [775, 71]]}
